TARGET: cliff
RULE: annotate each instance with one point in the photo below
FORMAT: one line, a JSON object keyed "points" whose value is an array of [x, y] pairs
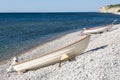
{"points": [[111, 9]]}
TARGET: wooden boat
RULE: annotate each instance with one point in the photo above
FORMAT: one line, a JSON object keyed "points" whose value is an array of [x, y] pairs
{"points": [[98, 29], [59, 55]]}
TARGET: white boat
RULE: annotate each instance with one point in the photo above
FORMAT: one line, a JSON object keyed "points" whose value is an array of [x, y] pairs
{"points": [[59, 55], [99, 29]]}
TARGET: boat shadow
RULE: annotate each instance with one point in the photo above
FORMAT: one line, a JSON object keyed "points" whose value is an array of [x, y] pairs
{"points": [[95, 49]]}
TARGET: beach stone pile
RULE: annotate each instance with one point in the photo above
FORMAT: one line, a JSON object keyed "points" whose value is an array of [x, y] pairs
{"points": [[100, 61]]}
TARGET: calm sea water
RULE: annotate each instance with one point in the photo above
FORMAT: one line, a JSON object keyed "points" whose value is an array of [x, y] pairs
{"points": [[20, 31]]}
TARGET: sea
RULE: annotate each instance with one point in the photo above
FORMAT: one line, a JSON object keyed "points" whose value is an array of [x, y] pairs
{"points": [[23, 31]]}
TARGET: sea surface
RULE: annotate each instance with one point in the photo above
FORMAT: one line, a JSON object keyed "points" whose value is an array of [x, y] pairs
{"points": [[22, 31]]}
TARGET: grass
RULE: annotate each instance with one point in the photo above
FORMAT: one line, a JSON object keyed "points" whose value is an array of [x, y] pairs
{"points": [[118, 10], [111, 6]]}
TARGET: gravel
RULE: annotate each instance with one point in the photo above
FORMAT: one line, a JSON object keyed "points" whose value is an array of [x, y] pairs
{"points": [[100, 61]]}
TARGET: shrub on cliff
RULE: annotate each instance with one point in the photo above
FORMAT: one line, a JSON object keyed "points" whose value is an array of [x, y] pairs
{"points": [[111, 6]]}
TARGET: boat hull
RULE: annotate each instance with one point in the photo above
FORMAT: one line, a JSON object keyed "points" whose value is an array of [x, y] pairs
{"points": [[95, 30], [71, 50]]}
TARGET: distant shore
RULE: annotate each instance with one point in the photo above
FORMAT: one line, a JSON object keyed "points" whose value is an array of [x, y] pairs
{"points": [[117, 13], [114, 9]]}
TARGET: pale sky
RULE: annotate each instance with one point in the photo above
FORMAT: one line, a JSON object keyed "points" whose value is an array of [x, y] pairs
{"points": [[54, 5]]}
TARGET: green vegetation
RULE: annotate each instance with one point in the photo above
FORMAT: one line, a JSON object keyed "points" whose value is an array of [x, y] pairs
{"points": [[118, 10], [111, 6]]}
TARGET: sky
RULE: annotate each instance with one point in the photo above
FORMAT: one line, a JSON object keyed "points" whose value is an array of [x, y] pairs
{"points": [[54, 5]]}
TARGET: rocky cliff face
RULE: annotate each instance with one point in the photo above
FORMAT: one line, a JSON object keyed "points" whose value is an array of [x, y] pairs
{"points": [[110, 9]]}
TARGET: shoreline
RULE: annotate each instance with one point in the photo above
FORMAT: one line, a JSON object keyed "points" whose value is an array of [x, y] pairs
{"points": [[29, 49], [99, 60], [116, 13]]}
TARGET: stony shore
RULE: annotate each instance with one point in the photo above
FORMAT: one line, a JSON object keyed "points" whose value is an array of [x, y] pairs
{"points": [[100, 61], [117, 13]]}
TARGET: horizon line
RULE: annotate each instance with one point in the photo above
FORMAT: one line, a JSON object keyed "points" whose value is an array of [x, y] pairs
{"points": [[53, 12]]}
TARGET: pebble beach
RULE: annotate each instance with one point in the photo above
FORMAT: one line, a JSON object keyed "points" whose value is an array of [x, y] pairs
{"points": [[100, 61]]}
